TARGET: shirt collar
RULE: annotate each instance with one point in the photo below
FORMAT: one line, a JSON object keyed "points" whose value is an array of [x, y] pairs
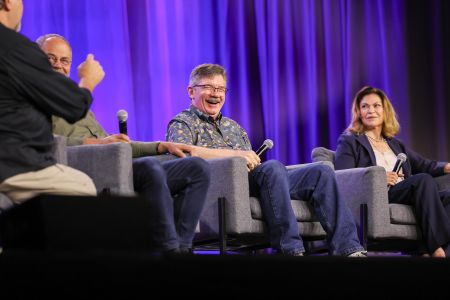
{"points": [[204, 116]]}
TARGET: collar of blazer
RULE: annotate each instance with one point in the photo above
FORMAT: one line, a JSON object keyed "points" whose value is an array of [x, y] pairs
{"points": [[364, 141], [393, 144]]}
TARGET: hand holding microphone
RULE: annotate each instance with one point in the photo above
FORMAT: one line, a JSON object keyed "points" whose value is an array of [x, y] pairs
{"points": [[392, 177], [401, 158], [254, 158], [121, 137]]}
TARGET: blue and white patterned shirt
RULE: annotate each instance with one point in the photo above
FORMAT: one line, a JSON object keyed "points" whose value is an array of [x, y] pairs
{"points": [[193, 127]]}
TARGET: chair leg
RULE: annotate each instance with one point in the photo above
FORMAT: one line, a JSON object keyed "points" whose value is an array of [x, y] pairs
{"points": [[222, 226], [363, 211]]}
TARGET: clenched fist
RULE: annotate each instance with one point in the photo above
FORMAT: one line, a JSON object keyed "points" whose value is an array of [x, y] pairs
{"points": [[90, 73]]}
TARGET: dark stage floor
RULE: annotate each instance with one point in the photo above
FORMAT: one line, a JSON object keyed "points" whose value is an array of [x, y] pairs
{"points": [[102, 275]]}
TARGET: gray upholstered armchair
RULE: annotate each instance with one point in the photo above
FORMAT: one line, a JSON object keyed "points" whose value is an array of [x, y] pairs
{"points": [[381, 225], [235, 218], [109, 166]]}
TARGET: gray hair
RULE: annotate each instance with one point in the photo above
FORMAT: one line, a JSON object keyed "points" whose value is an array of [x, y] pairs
{"points": [[206, 70], [43, 38]]}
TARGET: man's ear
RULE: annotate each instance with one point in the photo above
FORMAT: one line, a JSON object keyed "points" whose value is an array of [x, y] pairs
{"points": [[190, 92], [6, 5]]}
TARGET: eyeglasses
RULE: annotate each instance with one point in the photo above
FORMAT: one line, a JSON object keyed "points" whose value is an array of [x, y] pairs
{"points": [[64, 61], [211, 89]]}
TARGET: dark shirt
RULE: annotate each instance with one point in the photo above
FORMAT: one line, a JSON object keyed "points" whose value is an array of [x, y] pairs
{"points": [[355, 151], [30, 92], [193, 127]]}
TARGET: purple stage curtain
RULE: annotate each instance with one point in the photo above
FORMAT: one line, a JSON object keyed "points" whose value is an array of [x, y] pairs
{"points": [[293, 65]]}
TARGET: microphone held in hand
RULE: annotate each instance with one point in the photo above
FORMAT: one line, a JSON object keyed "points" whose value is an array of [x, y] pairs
{"points": [[401, 158], [268, 144], [122, 116]]}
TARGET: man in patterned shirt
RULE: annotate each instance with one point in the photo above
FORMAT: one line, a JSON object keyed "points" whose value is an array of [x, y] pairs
{"points": [[203, 125]]}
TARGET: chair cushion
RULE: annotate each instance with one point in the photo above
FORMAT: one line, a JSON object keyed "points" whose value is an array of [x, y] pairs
{"points": [[443, 182], [322, 154], [303, 210], [402, 214]]}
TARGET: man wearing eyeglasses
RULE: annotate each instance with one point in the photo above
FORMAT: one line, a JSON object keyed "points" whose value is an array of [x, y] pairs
{"points": [[59, 54], [174, 220], [30, 92], [204, 125]]}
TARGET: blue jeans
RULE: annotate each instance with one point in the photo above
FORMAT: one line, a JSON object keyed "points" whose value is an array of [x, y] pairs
{"points": [[275, 186], [176, 190]]}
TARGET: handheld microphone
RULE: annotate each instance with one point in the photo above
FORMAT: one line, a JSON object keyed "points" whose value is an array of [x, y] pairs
{"points": [[268, 144], [122, 116], [401, 158]]}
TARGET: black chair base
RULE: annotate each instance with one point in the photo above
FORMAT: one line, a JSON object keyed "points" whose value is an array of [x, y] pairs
{"points": [[226, 243]]}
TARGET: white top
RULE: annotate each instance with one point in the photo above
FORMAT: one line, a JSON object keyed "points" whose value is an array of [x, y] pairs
{"points": [[386, 160]]}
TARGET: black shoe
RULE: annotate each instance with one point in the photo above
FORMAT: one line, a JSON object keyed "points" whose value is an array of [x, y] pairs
{"points": [[358, 254]]}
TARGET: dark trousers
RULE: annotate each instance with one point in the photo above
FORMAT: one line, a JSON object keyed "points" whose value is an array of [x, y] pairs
{"points": [[421, 192], [176, 191], [445, 198]]}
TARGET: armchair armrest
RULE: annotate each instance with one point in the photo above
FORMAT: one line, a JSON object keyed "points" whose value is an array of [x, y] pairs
{"points": [[366, 185], [60, 149], [328, 163], [443, 182], [109, 166], [229, 180]]}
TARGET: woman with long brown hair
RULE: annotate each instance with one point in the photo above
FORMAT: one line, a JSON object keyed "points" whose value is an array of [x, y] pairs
{"points": [[370, 140]]}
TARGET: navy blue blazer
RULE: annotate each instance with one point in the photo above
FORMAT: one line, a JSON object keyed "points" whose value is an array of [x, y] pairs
{"points": [[354, 151]]}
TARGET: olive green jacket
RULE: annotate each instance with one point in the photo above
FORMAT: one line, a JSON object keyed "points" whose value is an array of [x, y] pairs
{"points": [[88, 127]]}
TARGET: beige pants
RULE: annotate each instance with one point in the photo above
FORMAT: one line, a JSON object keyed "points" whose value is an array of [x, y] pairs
{"points": [[57, 180]]}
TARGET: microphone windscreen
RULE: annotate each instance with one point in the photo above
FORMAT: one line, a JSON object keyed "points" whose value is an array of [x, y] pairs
{"points": [[122, 115], [268, 143], [402, 157]]}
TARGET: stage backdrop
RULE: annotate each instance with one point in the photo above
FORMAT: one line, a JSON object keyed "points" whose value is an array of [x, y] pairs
{"points": [[293, 66]]}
